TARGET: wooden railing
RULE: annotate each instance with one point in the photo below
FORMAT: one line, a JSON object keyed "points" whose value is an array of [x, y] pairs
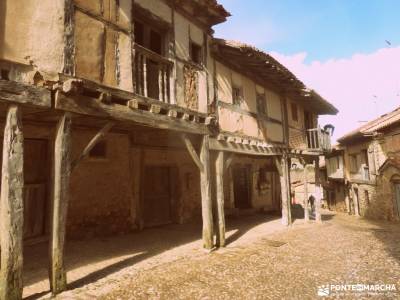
{"points": [[318, 139], [152, 73]]}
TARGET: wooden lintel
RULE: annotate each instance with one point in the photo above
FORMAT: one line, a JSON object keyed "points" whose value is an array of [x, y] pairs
{"points": [[192, 152], [155, 109], [97, 138], [90, 106], [216, 145], [20, 93]]}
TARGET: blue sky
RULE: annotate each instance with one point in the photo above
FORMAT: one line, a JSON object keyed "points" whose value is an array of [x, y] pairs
{"points": [[323, 28], [336, 47]]}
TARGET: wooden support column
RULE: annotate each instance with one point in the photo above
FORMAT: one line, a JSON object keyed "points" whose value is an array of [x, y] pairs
{"points": [[61, 177], [317, 192], [12, 211], [206, 201], [305, 181], [220, 170], [282, 165]]}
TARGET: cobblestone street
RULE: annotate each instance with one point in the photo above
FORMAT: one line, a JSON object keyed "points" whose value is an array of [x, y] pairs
{"points": [[287, 264]]}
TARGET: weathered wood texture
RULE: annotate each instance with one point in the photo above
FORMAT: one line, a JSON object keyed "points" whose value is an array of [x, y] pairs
{"points": [[61, 179], [11, 91], [84, 105], [318, 192], [282, 165], [93, 142], [305, 182], [192, 152], [206, 201], [220, 170], [12, 211]]}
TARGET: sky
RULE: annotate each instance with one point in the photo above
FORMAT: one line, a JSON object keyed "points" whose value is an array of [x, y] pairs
{"points": [[347, 50]]}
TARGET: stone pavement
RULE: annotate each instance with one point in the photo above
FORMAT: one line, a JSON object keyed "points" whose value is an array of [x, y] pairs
{"points": [[262, 261]]}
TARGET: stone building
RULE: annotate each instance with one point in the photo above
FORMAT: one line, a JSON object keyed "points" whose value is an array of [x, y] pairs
{"points": [[366, 169], [120, 115]]}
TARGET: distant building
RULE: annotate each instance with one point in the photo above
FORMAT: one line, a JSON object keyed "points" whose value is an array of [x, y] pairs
{"points": [[364, 172]]}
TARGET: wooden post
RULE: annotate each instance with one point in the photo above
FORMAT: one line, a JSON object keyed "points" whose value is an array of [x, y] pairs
{"points": [[219, 170], [12, 212], [283, 170], [61, 177], [206, 201], [317, 192], [305, 181]]}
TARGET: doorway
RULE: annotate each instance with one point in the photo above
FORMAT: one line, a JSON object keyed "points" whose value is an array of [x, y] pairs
{"points": [[157, 196], [241, 187], [36, 172]]}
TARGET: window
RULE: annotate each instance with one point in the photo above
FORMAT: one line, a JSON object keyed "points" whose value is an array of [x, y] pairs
{"points": [[293, 108], [196, 53], [99, 150], [237, 95], [148, 37], [261, 104], [353, 163]]}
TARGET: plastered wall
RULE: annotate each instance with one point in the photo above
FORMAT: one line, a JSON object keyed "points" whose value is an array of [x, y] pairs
{"points": [[241, 119], [34, 34]]}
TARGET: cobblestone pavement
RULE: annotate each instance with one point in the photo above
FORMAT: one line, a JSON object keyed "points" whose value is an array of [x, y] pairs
{"points": [[288, 264]]}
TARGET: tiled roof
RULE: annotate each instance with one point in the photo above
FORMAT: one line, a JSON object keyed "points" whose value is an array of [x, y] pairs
{"points": [[373, 126]]}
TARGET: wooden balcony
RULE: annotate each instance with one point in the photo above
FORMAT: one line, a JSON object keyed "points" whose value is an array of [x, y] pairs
{"points": [[152, 73], [318, 140]]}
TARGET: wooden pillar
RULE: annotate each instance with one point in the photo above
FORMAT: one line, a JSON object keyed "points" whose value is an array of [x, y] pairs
{"points": [[347, 199], [355, 201], [219, 170], [61, 177], [317, 192], [12, 212], [206, 201], [305, 182], [283, 169]]}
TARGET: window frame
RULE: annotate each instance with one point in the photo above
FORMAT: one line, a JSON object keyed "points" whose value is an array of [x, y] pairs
{"points": [[237, 101], [294, 112]]}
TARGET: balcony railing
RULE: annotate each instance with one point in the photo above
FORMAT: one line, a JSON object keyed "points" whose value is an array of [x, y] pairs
{"points": [[318, 139], [152, 73]]}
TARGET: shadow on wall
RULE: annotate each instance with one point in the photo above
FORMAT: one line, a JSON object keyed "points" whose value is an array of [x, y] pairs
{"points": [[3, 7]]}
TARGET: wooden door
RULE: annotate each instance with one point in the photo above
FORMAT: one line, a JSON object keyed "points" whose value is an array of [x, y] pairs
{"points": [[157, 196], [35, 191], [241, 187], [397, 198]]}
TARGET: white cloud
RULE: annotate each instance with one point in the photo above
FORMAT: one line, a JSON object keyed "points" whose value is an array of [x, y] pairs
{"points": [[361, 87]]}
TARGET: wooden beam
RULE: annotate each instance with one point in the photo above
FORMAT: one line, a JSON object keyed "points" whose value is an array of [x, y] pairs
{"points": [[220, 170], [239, 148], [93, 142], [318, 218], [305, 182], [61, 178], [20, 93], [90, 106], [206, 201], [192, 152], [285, 189], [12, 207]]}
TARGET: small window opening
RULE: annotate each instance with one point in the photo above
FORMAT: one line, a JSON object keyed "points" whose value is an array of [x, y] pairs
{"points": [[261, 104], [295, 116], [99, 151], [139, 33], [4, 74], [237, 95], [155, 42], [196, 53]]}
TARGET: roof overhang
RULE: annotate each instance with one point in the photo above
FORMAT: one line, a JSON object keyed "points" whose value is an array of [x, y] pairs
{"points": [[267, 71]]}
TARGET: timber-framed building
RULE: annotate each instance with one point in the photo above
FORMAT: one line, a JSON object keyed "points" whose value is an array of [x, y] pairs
{"points": [[121, 115]]}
